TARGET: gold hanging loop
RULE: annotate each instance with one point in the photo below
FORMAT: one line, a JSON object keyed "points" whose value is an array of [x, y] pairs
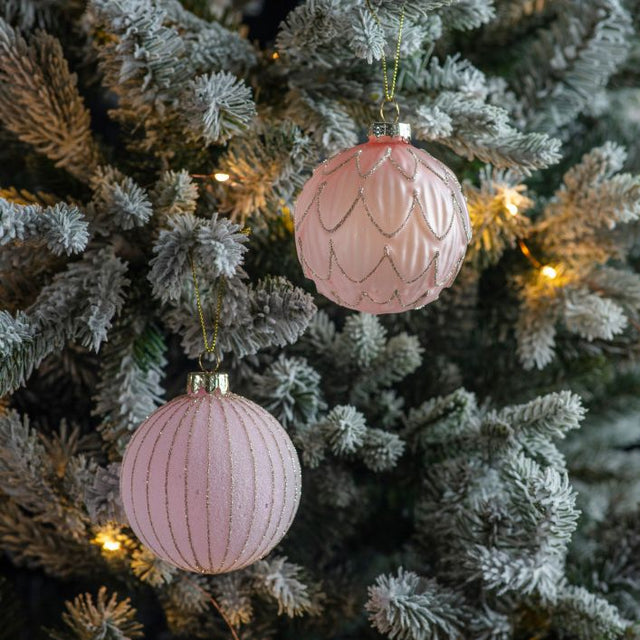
{"points": [[395, 105], [202, 356], [208, 348]]}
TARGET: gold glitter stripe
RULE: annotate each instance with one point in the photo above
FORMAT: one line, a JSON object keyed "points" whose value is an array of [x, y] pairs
{"points": [[261, 545], [466, 223], [208, 489], [185, 562], [221, 568], [187, 455], [315, 200], [255, 486], [297, 477], [396, 165], [278, 533], [333, 259], [344, 218], [385, 156], [148, 474], [361, 197], [444, 178], [145, 427], [365, 294]]}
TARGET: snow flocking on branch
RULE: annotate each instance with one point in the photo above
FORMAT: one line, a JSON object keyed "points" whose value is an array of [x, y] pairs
{"points": [[218, 106], [186, 234], [62, 228]]}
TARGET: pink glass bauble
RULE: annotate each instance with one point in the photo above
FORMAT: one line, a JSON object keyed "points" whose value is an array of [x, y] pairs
{"points": [[210, 481], [382, 227]]}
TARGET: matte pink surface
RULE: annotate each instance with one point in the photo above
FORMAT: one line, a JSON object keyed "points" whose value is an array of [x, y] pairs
{"points": [[382, 227], [210, 482]]}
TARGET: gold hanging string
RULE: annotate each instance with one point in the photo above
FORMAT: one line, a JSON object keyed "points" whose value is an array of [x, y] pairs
{"points": [[389, 94], [208, 348]]}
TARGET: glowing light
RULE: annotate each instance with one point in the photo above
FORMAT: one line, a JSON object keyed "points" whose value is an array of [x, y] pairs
{"points": [[511, 208], [549, 272], [110, 538], [275, 55], [110, 544], [221, 177]]}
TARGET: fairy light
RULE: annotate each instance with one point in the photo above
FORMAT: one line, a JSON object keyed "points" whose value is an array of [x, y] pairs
{"points": [[546, 270], [511, 198], [221, 176], [110, 538], [110, 544], [275, 55], [511, 208]]}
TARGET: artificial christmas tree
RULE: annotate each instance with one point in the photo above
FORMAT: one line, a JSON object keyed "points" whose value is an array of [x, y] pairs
{"points": [[454, 483]]}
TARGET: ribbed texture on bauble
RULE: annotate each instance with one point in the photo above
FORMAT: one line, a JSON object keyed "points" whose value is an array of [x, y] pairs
{"points": [[210, 482]]}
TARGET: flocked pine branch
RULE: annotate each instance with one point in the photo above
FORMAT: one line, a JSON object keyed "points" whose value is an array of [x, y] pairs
{"points": [[218, 107], [451, 102], [280, 580], [106, 618], [163, 63], [588, 616], [40, 103], [467, 14], [572, 61], [486, 553], [272, 165], [492, 206], [253, 317], [129, 386], [27, 14], [174, 193], [217, 247], [290, 390], [62, 228], [233, 593], [408, 607], [79, 304], [453, 105], [578, 231], [118, 201], [491, 472], [43, 521]]}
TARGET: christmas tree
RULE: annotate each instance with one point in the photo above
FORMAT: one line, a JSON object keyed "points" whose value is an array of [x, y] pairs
{"points": [[471, 469]]}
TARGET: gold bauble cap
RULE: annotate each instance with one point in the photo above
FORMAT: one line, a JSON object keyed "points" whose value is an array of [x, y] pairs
{"points": [[209, 381], [391, 129]]}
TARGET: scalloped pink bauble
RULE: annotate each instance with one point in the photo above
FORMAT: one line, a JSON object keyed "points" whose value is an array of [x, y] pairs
{"points": [[382, 227], [210, 482]]}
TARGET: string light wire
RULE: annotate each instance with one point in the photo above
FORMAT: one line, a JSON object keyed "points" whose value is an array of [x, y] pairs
{"points": [[234, 633]]}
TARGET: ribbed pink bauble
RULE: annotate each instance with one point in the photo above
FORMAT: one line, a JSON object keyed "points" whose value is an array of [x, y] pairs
{"points": [[382, 227], [210, 481]]}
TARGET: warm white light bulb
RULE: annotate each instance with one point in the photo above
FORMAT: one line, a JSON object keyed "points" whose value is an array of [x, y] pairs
{"points": [[221, 177], [549, 272], [111, 545], [511, 208]]}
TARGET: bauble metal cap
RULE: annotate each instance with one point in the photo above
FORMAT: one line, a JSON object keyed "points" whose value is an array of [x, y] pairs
{"points": [[391, 129], [209, 382]]}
